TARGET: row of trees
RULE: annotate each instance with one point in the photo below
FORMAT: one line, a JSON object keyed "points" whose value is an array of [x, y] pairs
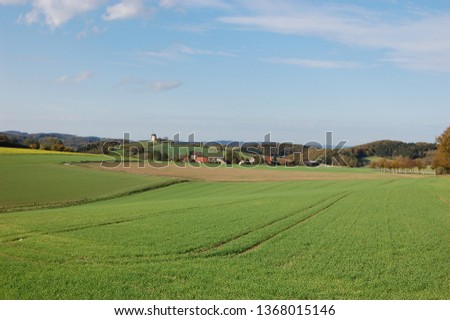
{"points": [[48, 143], [5, 141], [19, 139], [399, 165]]}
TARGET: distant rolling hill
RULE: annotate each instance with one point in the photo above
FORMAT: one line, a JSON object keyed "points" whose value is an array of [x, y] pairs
{"points": [[390, 148], [24, 139]]}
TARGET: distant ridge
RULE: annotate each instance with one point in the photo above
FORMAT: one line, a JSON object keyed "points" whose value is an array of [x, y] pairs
{"points": [[393, 148], [22, 139], [380, 148]]}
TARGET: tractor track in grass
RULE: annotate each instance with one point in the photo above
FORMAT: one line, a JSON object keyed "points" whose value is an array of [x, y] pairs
{"points": [[206, 253], [59, 205], [257, 244], [95, 225], [141, 217], [443, 199], [243, 234], [219, 245], [29, 234], [388, 182], [193, 253]]}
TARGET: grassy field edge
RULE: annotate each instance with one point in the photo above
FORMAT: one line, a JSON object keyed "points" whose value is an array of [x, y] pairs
{"points": [[91, 200]]}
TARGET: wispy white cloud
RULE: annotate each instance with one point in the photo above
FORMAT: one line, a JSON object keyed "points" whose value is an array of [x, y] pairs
{"points": [[57, 12], [310, 63], [159, 86], [414, 39], [193, 3], [183, 49], [90, 29], [13, 2], [150, 85], [178, 51], [417, 41], [82, 76], [127, 9]]}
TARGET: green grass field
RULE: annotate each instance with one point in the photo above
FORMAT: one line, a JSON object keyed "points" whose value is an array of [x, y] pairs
{"points": [[351, 239], [33, 178]]}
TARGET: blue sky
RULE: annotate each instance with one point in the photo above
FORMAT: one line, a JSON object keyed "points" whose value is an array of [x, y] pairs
{"points": [[366, 70]]}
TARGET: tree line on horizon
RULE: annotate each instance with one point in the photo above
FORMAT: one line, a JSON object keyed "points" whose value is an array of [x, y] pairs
{"points": [[399, 165], [47, 141], [395, 156]]}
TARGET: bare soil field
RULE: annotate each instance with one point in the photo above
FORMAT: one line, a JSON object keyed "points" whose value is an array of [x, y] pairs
{"points": [[204, 173]]}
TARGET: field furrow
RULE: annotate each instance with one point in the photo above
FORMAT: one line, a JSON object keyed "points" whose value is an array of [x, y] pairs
{"points": [[305, 219], [253, 239], [268, 224], [441, 197]]}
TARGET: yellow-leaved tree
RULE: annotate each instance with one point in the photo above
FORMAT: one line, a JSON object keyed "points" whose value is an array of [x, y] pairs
{"points": [[441, 161]]}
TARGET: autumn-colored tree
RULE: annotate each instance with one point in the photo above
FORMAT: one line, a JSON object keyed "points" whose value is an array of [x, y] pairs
{"points": [[57, 147], [396, 165], [420, 164], [407, 164], [383, 163], [441, 161]]}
